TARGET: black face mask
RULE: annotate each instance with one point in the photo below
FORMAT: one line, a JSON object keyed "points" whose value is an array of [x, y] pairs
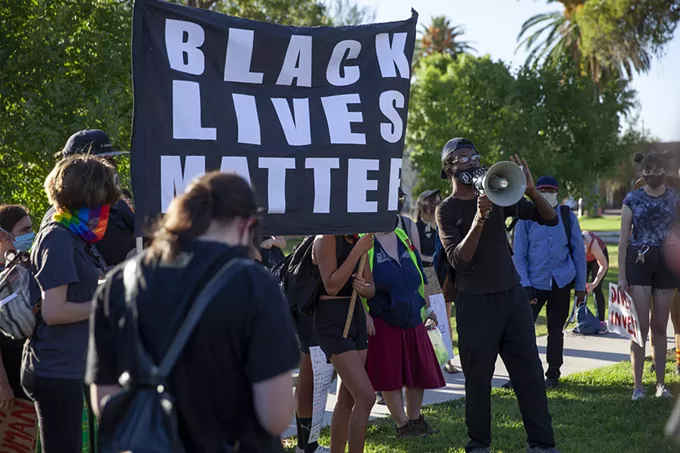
{"points": [[653, 181], [467, 176]]}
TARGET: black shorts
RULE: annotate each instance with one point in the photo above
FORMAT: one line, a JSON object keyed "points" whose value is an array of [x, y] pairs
{"points": [[653, 272], [304, 330], [329, 322]]}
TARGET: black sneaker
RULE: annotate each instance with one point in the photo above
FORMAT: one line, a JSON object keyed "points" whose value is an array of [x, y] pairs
{"points": [[551, 383], [422, 428], [406, 431]]}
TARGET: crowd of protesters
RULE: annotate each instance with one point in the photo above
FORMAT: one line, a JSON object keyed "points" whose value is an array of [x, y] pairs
{"points": [[97, 300]]}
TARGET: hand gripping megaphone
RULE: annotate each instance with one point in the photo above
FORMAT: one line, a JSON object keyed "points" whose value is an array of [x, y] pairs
{"points": [[504, 183]]}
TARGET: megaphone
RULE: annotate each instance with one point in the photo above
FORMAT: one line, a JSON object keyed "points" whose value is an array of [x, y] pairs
{"points": [[504, 183]]}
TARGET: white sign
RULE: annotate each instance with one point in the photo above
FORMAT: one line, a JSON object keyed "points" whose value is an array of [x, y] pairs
{"points": [[439, 306], [623, 318], [323, 376]]}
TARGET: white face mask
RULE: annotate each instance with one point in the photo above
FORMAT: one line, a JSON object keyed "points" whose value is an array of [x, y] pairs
{"points": [[551, 198]]}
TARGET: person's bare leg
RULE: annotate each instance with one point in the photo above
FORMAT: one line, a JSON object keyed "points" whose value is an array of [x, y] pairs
{"points": [[675, 318], [340, 420], [304, 391], [351, 369], [414, 402], [642, 296], [659, 323], [394, 401]]}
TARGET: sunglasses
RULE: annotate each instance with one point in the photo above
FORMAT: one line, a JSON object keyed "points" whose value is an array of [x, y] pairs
{"points": [[465, 159]]}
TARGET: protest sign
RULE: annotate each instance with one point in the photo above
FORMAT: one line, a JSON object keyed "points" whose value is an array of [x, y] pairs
{"points": [[18, 428], [313, 118], [323, 378], [623, 318]]}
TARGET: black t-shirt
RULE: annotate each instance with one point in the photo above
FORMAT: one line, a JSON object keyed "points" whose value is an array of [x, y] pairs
{"points": [[427, 237], [244, 337], [491, 269], [119, 238]]}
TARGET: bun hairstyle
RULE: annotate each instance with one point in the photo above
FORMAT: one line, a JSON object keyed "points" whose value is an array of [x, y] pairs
{"points": [[216, 196], [654, 160]]}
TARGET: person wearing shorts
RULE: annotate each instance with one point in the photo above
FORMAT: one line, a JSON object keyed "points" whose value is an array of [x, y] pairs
{"points": [[338, 258], [646, 220]]}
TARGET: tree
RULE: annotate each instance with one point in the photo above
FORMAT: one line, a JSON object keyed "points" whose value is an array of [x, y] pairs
{"points": [[551, 116], [441, 37], [346, 12], [64, 66], [607, 39]]}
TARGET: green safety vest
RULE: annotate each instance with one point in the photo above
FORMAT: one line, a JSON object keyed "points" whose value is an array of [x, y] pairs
{"points": [[403, 237]]}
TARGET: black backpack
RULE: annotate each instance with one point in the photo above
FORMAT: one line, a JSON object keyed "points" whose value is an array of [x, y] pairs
{"points": [[299, 277], [141, 418]]}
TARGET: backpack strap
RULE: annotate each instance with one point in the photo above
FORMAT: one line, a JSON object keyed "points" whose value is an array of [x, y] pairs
{"points": [[214, 286], [565, 212]]}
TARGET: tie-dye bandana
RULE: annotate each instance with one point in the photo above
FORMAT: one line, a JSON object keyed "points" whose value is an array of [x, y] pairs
{"points": [[89, 224]]}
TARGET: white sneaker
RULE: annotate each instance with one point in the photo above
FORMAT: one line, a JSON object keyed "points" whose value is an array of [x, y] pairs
{"points": [[638, 394], [662, 391], [319, 449]]}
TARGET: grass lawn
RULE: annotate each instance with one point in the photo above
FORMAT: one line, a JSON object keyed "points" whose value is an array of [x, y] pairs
{"points": [[610, 223], [592, 412]]}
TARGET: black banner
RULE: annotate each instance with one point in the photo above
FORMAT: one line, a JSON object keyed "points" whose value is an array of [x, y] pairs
{"points": [[314, 118]]}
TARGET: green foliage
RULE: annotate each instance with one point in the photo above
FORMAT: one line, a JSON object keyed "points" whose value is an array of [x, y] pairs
{"points": [[346, 12], [626, 33], [64, 66], [551, 115]]}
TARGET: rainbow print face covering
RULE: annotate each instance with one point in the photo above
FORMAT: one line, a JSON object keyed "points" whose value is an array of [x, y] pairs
{"points": [[88, 224]]}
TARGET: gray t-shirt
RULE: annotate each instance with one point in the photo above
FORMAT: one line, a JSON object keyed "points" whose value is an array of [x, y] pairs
{"points": [[60, 258]]}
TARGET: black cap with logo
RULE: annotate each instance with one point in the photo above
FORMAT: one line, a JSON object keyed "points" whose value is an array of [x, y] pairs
{"points": [[452, 146], [90, 141]]}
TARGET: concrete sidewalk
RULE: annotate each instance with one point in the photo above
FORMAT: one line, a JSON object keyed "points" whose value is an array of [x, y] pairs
{"points": [[581, 353]]}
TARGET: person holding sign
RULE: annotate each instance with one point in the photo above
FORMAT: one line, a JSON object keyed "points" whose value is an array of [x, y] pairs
{"points": [[426, 207], [338, 259], [492, 309], [646, 219], [400, 354], [597, 264]]}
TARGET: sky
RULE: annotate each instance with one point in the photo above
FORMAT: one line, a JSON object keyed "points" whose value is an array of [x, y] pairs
{"points": [[493, 26]]}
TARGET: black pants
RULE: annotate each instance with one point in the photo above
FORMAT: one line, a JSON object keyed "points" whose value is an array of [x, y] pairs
{"points": [[559, 304], [493, 324], [592, 267], [59, 404]]}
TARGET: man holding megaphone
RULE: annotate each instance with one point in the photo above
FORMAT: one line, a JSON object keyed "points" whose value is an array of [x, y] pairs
{"points": [[493, 313]]}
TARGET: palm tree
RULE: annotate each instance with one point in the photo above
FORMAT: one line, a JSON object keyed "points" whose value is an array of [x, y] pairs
{"points": [[441, 37], [557, 35]]}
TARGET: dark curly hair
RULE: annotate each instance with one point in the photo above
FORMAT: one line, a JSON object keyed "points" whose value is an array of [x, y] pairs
{"points": [[653, 160]]}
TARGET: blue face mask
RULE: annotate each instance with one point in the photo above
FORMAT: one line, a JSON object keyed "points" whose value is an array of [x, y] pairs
{"points": [[24, 242]]}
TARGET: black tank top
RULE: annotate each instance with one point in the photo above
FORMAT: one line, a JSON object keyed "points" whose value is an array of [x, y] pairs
{"points": [[426, 233], [342, 251]]}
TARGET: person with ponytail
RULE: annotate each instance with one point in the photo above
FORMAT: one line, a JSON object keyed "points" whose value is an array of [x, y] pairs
{"points": [[67, 269], [646, 219], [232, 383]]}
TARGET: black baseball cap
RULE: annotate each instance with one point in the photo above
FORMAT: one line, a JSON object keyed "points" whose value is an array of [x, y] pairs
{"points": [[90, 141], [452, 146]]}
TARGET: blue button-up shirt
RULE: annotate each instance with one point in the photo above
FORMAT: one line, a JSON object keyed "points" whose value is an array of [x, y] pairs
{"points": [[541, 255]]}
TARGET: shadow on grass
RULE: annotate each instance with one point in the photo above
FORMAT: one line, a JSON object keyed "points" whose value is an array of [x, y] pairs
{"points": [[591, 412]]}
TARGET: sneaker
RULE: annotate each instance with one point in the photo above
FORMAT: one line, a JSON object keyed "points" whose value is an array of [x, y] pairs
{"points": [[422, 428], [551, 383], [319, 449], [406, 431], [541, 450], [662, 391], [603, 327], [638, 394]]}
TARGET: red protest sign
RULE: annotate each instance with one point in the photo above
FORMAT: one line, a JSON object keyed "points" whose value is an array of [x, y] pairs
{"points": [[18, 428]]}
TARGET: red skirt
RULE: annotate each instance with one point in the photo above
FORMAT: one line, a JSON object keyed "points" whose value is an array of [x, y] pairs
{"points": [[400, 358]]}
